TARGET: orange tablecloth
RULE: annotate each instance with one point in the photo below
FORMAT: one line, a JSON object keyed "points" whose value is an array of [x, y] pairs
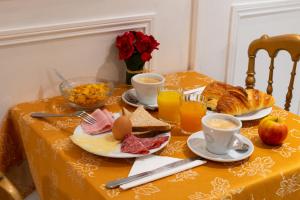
{"points": [[61, 170]]}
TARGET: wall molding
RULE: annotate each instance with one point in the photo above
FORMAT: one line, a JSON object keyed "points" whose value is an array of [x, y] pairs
{"points": [[78, 28], [246, 10]]}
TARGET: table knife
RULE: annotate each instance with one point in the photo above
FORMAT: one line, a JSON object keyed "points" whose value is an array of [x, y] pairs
{"points": [[116, 183]]}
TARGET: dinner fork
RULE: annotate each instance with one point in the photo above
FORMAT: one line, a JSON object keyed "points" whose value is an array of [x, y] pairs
{"points": [[82, 114]]}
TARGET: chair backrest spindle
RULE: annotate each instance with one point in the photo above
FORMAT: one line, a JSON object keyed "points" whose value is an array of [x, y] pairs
{"points": [[270, 81], [289, 43], [289, 94], [250, 80]]}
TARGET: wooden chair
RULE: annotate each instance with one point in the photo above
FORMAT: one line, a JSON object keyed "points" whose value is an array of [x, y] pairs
{"points": [[8, 190], [290, 43]]}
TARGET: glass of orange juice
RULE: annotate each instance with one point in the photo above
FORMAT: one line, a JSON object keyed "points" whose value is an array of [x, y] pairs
{"points": [[169, 100], [192, 109]]}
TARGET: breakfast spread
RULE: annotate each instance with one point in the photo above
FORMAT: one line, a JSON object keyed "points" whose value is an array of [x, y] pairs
{"points": [[88, 94], [138, 132], [235, 100], [104, 122]]}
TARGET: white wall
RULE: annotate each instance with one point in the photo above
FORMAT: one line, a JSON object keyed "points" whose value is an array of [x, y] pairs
{"points": [[77, 37], [225, 31]]}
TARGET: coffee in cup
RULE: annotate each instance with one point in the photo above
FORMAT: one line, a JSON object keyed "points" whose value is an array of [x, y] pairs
{"points": [[221, 123], [148, 80], [219, 132], [146, 86]]}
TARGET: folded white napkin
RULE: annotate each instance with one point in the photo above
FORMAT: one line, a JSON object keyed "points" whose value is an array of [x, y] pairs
{"points": [[198, 90], [152, 162]]}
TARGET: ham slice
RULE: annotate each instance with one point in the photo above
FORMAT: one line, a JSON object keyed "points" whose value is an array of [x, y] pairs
{"points": [[135, 145], [104, 122]]}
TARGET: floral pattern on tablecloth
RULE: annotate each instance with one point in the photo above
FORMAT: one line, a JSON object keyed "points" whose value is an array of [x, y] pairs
{"points": [[221, 189], [63, 144], [185, 175], [86, 165], [173, 147], [261, 166], [295, 133], [288, 185], [279, 113], [145, 190], [111, 193], [286, 150]]}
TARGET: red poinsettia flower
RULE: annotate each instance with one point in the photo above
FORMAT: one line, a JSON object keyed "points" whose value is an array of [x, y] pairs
{"points": [[125, 45]]}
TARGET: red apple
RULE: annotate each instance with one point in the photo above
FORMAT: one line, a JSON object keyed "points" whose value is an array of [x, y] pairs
{"points": [[272, 130]]}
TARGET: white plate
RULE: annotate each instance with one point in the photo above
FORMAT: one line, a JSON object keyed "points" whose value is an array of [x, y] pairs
{"points": [[247, 117], [93, 144], [196, 143], [133, 92]]}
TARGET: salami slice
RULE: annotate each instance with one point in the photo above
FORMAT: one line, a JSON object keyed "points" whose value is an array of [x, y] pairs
{"points": [[155, 142], [132, 144]]}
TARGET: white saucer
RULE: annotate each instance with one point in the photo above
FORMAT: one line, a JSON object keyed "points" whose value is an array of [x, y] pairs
{"points": [[196, 143], [132, 91]]}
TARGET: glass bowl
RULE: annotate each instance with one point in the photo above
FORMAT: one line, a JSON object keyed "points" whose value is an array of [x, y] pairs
{"points": [[86, 93]]}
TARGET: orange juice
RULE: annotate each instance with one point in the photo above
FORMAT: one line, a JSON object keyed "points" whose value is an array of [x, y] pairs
{"points": [[168, 105], [191, 113]]}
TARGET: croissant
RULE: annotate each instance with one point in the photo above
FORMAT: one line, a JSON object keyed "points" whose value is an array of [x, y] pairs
{"points": [[213, 93], [238, 104], [235, 100]]}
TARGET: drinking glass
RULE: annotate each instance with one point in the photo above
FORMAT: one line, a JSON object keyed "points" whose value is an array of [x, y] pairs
{"points": [[192, 109], [169, 100]]}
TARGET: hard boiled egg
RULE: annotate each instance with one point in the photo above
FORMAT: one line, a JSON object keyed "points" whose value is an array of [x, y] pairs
{"points": [[121, 127]]}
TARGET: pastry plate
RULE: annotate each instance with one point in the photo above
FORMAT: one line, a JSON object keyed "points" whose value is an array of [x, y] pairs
{"points": [[247, 117], [196, 143], [105, 145], [133, 92]]}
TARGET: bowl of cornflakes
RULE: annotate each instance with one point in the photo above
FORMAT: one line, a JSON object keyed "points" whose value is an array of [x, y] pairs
{"points": [[86, 93]]}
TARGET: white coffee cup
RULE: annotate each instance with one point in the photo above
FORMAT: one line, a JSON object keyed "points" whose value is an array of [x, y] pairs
{"points": [[147, 90], [220, 140]]}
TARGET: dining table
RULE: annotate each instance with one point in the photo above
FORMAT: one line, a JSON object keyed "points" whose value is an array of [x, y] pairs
{"points": [[63, 171]]}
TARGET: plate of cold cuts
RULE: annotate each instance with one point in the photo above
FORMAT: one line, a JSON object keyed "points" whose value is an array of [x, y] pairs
{"points": [[97, 138], [105, 145]]}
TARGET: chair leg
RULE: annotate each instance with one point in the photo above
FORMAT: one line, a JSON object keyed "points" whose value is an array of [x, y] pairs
{"points": [[9, 188]]}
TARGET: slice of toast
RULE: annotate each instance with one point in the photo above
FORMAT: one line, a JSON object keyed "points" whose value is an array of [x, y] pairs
{"points": [[142, 121]]}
